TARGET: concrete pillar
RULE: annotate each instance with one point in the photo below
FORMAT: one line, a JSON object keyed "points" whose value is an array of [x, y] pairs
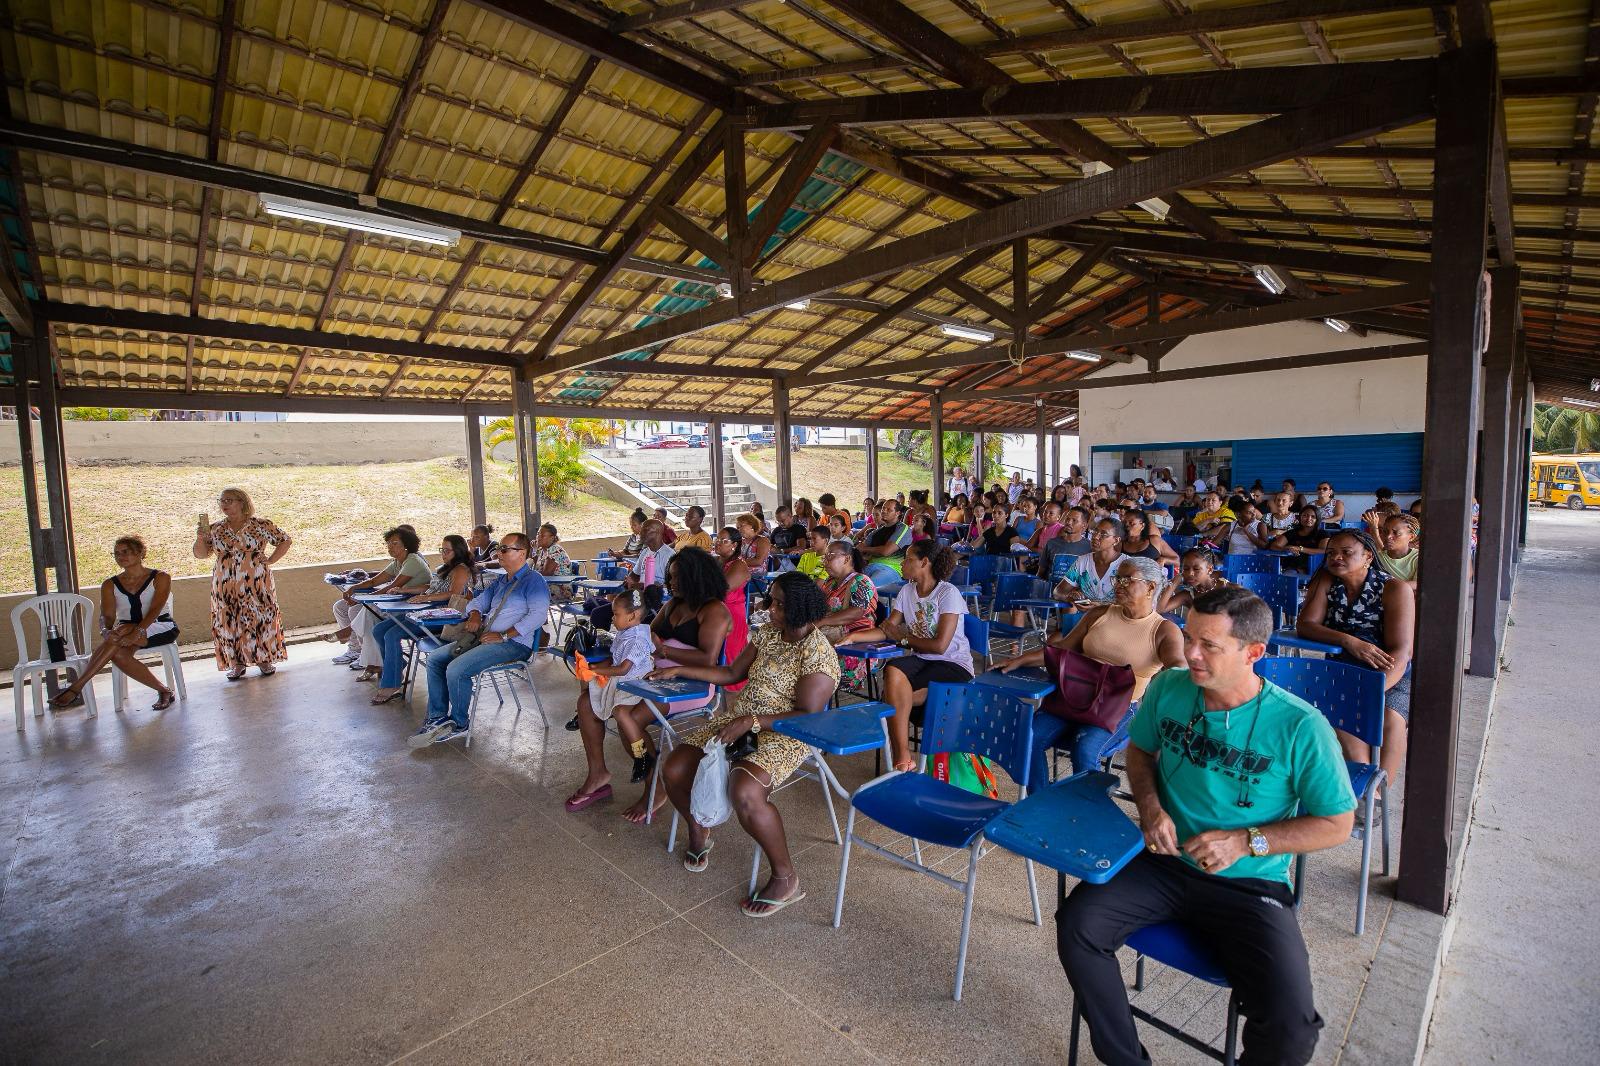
{"points": [[783, 441], [526, 425], [1055, 459], [936, 425], [480, 505], [976, 473], [1038, 443], [1499, 470], [58, 494], [38, 537], [872, 462], [719, 500]]}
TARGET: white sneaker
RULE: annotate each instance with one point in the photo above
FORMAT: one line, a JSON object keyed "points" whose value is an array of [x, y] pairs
{"points": [[347, 658]]}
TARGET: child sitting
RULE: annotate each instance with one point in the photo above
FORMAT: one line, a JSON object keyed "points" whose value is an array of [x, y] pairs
{"points": [[632, 656]]}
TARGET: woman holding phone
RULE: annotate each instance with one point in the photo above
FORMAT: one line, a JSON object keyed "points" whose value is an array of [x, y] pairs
{"points": [[246, 627]]}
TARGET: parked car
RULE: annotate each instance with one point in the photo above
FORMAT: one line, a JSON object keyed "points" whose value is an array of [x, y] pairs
{"points": [[699, 440], [665, 442], [763, 438]]}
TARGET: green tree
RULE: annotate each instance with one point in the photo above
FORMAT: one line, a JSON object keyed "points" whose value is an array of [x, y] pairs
{"points": [[916, 445], [104, 414], [562, 472], [1564, 429]]}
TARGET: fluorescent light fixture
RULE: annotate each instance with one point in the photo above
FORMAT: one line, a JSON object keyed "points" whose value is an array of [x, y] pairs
{"points": [[366, 221], [799, 305], [1594, 384], [1270, 279], [1579, 403], [966, 333], [1084, 356], [1065, 421], [1155, 205], [1338, 325], [725, 290]]}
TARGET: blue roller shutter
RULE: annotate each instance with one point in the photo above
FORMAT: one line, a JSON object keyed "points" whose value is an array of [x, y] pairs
{"points": [[1350, 464]]}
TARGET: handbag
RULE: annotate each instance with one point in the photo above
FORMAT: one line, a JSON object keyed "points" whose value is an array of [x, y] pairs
{"points": [[1088, 692], [463, 640]]}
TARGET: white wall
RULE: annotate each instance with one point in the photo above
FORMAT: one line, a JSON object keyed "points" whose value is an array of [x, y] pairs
{"points": [[1385, 396]]}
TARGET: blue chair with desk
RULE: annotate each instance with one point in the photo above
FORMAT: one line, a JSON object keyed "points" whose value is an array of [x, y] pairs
{"points": [[511, 672], [1350, 697], [1233, 566], [1020, 592], [957, 718]]}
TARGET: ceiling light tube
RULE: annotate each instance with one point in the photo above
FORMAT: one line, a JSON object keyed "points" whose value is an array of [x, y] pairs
{"points": [[966, 333], [1594, 384], [1085, 356], [1338, 325], [366, 221], [1579, 403], [799, 305], [1270, 279]]}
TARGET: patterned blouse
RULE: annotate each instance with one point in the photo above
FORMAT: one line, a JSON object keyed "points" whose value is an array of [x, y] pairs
{"points": [[1363, 616]]}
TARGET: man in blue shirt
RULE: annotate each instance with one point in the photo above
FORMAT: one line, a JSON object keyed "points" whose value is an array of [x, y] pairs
{"points": [[510, 614], [1232, 777]]}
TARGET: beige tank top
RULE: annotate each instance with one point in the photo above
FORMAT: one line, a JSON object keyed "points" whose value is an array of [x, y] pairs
{"points": [[1132, 642]]}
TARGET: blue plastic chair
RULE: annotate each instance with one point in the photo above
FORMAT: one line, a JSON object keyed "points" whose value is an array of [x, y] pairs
{"points": [[958, 718], [1233, 566], [981, 570], [976, 629], [959, 576], [1280, 591], [1350, 697], [511, 671], [1009, 589], [1181, 544]]}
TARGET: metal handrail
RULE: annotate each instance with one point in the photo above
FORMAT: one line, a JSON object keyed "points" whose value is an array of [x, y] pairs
{"points": [[634, 482]]}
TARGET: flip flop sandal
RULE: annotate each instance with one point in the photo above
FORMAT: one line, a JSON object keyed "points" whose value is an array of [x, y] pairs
{"points": [[697, 861], [236, 675], [579, 801], [165, 700], [267, 671], [378, 701], [776, 905]]}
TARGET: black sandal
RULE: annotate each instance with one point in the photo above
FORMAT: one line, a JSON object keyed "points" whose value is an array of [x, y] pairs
{"points": [[642, 766], [165, 700]]}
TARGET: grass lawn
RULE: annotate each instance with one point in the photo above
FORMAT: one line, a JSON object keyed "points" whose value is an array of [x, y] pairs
{"points": [[332, 512], [841, 471]]}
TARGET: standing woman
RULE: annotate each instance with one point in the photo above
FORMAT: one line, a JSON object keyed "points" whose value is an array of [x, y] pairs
{"points": [[729, 549], [245, 624], [133, 616]]}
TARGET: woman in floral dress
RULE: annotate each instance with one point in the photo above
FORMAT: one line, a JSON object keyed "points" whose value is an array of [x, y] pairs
{"points": [[245, 624], [852, 606]]}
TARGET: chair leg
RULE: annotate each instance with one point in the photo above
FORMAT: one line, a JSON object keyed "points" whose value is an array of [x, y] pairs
{"points": [[17, 685], [966, 917], [844, 866], [92, 709], [1366, 863], [1384, 814], [176, 670], [119, 690], [1033, 893], [1138, 973], [827, 797], [1072, 1039], [1230, 1043]]}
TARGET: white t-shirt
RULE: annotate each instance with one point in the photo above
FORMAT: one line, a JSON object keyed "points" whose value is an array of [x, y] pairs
{"points": [[922, 616], [1200, 485], [1278, 525], [1238, 543], [634, 646]]}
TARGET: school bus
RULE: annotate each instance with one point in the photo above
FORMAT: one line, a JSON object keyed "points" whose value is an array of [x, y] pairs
{"points": [[1566, 481]]}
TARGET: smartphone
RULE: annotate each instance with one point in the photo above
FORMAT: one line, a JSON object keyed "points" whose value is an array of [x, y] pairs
{"points": [[205, 520]]}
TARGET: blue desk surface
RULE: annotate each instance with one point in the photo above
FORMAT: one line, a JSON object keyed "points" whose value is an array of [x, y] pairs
{"points": [[1030, 604], [1027, 683], [1073, 826], [1286, 639], [845, 730], [882, 649], [676, 690], [440, 621]]}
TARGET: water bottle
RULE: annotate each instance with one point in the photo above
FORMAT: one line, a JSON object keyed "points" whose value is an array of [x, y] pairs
{"points": [[54, 645]]}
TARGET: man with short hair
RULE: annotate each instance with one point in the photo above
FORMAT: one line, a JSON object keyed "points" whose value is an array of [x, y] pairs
{"points": [[651, 566], [1232, 777], [885, 546], [787, 534], [1072, 541], [510, 614], [668, 536], [1014, 490]]}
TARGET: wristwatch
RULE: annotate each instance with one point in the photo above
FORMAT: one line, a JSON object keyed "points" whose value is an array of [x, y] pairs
{"points": [[1258, 842]]}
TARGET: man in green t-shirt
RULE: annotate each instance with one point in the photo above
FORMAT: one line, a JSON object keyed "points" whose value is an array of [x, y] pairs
{"points": [[1233, 777]]}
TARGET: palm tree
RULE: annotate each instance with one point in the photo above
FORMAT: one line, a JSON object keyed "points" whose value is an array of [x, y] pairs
{"points": [[561, 443], [916, 445], [1564, 429]]}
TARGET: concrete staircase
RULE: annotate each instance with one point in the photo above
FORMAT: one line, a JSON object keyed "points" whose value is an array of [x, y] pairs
{"points": [[681, 475]]}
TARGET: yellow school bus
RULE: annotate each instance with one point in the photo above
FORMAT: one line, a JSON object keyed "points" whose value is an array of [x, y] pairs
{"points": [[1565, 481]]}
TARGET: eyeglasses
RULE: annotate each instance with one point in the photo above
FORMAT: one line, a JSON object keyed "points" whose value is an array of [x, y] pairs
{"points": [[513, 548], [1122, 579]]}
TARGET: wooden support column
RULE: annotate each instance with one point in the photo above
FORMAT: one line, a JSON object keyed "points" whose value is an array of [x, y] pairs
{"points": [[1466, 102], [38, 539], [782, 441], [719, 496], [1055, 459], [1526, 385], [1038, 442], [872, 463], [977, 471], [58, 493], [480, 505], [936, 451], [525, 423], [1517, 470], [1499, 471]]}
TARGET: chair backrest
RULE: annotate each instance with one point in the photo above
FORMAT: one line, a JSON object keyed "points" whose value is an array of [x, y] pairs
{"points": [[959, 576], [976, 630], [1009, 588], [1180, 544], [68, 611], [982, 721], [1349, 696], [608, 571], [1059, 565], [1280, 591], [1235, 565]]}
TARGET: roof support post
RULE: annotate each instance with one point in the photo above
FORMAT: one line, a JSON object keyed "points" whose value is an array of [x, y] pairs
{"points": [[525, 424], [1521, 458], [58, 493], [872, 463], [1464, 137], [976, 472], [1055, 459], [38, 543], [1498, 470], [936, 450], [1038, 443], [719, 496], [480, 505], [782, 442]]}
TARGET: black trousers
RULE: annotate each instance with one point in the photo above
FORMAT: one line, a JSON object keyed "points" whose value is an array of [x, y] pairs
{"points": [[1249, 927]]}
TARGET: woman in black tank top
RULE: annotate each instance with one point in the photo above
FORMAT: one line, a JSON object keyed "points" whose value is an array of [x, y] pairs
{"points": [[131, 604]]}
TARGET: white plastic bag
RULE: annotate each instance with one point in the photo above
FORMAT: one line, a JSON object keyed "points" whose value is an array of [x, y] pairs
{"points": [[708, 797]]}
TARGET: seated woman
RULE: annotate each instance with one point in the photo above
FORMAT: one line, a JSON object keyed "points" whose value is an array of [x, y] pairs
{"points": [[869, 512], [1093, 577], [924, 527], [790, 668], [1305, 539], [1214, 522], [602, 699], [1197, 575], [956, 513], [852, 606], [1141, 542], [755, 545], [485, 549], [1049, 527], [728, 550], [407, 571], [380, 653], [1330, 509], [635, 542], [1354, 604], [1281, 518], [927, 621], [805, 514], [1249, 533], [549, 557], [975, 527], [761, 516], [690, 630], [999, 538], [133, 617], [1128, 632]]}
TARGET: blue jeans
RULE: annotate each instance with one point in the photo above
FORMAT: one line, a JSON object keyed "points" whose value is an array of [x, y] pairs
{"points": [[450, 676], [1084, 744], [388, 635], [882, 574]]}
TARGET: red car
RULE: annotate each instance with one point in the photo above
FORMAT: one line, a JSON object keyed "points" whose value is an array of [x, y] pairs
{"points": [[665, 442]]}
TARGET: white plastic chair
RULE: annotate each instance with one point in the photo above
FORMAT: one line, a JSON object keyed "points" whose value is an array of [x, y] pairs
{"points": [[170, 661], [69, 612]]}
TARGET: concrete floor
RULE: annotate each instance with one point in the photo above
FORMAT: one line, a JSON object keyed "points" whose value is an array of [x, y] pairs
{"points": [[1519, 982], [266, 874]]}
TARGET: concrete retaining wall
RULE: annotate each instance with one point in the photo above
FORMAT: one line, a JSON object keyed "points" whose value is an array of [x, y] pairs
{"points": [[764, 490], [303, 597], [251, 443]]}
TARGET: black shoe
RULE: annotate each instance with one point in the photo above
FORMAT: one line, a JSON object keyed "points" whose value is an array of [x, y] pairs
{"points": [[643, 766], [572, 724]]}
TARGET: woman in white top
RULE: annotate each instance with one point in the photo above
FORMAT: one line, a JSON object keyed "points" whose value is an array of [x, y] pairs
{"points": [[1249, 534], [1094, 576], [1330, 509], [133, 616]]}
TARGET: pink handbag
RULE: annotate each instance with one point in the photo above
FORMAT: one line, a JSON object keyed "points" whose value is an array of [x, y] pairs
{"points": [[1088, 692]]}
